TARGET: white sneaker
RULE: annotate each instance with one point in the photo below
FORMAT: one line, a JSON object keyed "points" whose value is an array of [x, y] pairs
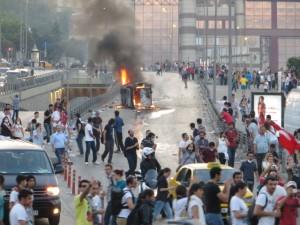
{"points": [[86, 163], [96, 163]]}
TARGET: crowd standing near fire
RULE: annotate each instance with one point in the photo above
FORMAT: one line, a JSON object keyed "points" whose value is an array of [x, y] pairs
{"points": [[143, 197]]}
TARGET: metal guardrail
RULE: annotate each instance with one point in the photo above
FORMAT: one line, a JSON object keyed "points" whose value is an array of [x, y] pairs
{"points": [[217, 123], [30, 82]]}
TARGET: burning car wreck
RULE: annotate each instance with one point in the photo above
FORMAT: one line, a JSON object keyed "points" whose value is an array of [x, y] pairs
{"points": [[135, 95]]}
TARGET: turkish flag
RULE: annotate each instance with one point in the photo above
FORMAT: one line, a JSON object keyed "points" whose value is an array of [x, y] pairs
{"points": [[286, 139]]}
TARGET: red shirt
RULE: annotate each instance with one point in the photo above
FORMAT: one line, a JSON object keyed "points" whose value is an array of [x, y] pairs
{"points": [[231, 136], [289, 211], [209, 155], [227, 117]]}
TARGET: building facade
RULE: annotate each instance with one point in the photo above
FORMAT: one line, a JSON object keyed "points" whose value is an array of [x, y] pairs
{"points": [[157, 30], [265, 33]]}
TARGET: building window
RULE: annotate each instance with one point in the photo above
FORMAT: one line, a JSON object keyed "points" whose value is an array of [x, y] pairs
{"points": [[288, 15], [200, 24], [258, 14], [211, 24]]}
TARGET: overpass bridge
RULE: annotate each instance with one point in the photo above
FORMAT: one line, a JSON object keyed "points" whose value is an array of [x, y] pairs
{"points": [[38, 91]]}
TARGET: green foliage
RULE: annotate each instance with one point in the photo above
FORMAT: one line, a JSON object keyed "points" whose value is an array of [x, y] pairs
{"points": [[44, 23], [294, 64]]}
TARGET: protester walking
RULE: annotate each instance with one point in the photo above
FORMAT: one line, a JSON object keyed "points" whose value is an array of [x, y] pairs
{"points": [[131, 147], [195, 206], [97, 129], [15, 107], [47, 122], [163, 189], [108, 141], [119, 123], [249, 170], [232, 136], [59, 140], [261, 147], [238, 207], [90, 142], [80, 133]]}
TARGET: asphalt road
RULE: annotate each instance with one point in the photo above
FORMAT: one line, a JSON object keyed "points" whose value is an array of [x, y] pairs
{"points": [[177, 107]]}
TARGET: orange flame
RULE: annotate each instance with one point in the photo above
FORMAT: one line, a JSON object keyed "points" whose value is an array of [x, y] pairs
{"points": [[124, 77]]}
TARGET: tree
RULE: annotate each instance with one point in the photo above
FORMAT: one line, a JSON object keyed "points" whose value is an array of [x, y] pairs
{"points": [[293, 63]]}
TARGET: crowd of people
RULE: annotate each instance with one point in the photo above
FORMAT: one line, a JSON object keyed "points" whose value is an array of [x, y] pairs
{"points": [[143, 198]]}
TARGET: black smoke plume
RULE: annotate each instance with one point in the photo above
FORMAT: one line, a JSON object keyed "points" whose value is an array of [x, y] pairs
{"points": [[110, 24]]}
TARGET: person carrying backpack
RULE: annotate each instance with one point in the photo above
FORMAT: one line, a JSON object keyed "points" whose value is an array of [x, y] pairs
{"points": [[123, 202], [265, 205], [142, 213]]}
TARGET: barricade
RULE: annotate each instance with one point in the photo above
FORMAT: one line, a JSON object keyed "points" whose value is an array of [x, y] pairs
{"points": [[73, 182], [69, 175], [79, 179]]}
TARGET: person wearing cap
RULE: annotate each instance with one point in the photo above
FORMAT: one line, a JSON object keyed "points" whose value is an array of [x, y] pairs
{"points": [[289, 204]]}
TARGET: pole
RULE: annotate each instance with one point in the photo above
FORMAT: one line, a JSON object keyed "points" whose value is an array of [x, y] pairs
{"points": [[26, 30], [0, 41], [229, 75], [215, 56], [206, 42]]}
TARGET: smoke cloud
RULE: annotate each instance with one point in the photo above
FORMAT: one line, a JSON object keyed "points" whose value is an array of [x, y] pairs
{"points": [[110, 26]]}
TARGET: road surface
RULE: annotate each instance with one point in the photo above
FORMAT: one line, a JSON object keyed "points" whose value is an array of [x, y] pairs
{"points": [[177, 108]]}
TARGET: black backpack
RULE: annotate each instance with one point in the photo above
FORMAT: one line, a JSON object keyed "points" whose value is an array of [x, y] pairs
{"points": [[116, 200], [134, 217], [253, 219]]}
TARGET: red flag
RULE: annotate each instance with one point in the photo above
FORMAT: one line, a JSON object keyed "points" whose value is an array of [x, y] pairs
{"points": [[286, 139]]}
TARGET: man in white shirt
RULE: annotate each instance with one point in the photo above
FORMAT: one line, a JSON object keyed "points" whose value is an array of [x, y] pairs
{"points": [[18, 214], [90, 142], [21, 185], [56, 117], [265, 205], [128, 200]]}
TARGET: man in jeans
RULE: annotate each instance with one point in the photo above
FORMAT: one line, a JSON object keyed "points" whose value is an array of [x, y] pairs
{"points": [[80, 133], [58, 141], [232, 136], [213, 197], [15, 107], [261, 147], [131, 146], [118, 132], [108, 141], [47, 122], [90, 143]]}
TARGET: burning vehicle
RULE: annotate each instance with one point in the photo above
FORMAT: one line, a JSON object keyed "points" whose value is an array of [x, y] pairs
{"points": [[135, 95]]}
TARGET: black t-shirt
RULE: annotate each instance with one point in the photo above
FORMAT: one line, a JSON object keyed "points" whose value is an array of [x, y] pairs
{"points": [[130, 142], [5, 131], [78, 122], [97, 121], [47, 116], [109, 133], [212, 201], [162, 195], [147, 143]]}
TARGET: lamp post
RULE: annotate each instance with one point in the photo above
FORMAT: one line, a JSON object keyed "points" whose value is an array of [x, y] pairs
{"points": [[229, 75], [215, 55]]}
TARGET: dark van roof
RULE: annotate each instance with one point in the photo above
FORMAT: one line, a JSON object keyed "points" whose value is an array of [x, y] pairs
{"points": [[18, 145]]}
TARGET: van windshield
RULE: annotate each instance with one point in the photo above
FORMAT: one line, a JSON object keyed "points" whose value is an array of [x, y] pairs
{"points": [[24, 161]]}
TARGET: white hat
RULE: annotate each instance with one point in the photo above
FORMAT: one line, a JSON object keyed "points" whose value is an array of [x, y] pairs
{"points": [[147, 151], [291, 184]]}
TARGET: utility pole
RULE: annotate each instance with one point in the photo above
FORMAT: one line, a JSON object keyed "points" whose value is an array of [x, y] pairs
{"points": [[229, 75], [0, 40], [215, 56], [26, 29], [206, 42]]}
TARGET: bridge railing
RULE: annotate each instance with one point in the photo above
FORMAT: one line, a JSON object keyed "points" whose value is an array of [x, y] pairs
{"points": [[30, 82]]}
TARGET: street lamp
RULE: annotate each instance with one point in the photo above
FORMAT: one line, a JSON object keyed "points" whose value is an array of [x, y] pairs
{"points": [[229, 75], [215, 54]]}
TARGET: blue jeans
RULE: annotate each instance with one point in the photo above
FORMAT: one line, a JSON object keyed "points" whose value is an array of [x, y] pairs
{"points": [[79, 141], [90, 145], [214, 219], [231, 156], [132, 161], [59, 152], [48, 130], [160, 205]]}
